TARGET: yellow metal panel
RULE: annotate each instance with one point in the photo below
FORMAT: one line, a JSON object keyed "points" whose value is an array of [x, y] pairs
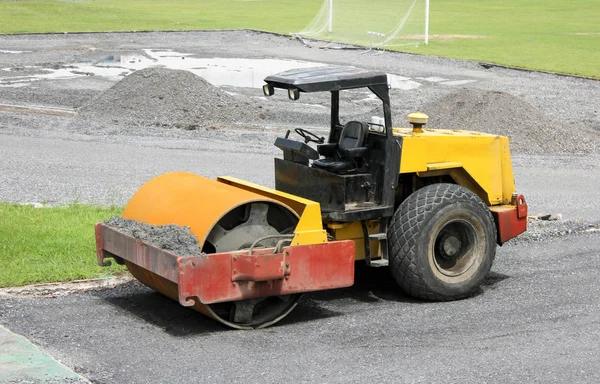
{"points": [[502, 208], [353, 231], [476, 160], [444, 165], [310, 227], [417, 160], [508, 179]]}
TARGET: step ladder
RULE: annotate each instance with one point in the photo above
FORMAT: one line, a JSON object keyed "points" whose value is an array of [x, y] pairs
{"points": [[383, 244]]}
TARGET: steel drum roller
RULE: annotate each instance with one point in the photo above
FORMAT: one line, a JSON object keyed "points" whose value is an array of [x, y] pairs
{"points": [[223, 218]]}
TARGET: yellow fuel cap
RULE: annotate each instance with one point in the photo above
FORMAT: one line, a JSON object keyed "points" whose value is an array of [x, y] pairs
{"points": [[418, 118]]}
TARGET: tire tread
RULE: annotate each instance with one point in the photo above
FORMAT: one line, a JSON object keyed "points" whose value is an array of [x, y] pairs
{"points": [[404, 230]]}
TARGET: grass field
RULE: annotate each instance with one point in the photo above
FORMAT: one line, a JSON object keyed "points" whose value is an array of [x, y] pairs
{"points": [[50, 244], [552, 35]]}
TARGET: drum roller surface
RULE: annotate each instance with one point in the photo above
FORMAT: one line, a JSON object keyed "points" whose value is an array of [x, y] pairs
{"points": [[223, 218]]}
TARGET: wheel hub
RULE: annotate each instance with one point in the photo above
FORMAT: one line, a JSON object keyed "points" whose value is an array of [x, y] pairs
{"points": [[453, 251], [450, 247]]}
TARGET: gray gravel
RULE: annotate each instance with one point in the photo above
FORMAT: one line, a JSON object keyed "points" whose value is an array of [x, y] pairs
{"points": [[158, 99], [500, 113], [164, 98], [569, 104], [542, 230], [174, 238]]}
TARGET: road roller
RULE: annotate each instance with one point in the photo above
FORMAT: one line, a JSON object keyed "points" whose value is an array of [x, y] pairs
{"points": [[429, 204]]}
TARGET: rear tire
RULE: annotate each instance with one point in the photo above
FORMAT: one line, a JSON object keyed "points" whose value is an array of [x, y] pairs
{"points": [[442, 243]]}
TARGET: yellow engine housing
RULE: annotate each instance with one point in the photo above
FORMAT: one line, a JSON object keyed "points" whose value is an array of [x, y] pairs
{"points": [[478, 161]]}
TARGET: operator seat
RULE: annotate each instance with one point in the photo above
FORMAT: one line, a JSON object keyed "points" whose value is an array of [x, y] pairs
{"points": [[347, 154]]}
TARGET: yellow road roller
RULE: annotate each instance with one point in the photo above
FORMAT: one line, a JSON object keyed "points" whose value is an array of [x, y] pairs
{"points": [[429, 204]]}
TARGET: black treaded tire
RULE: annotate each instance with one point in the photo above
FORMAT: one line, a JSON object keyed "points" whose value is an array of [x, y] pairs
{"points": [[442, 243]]}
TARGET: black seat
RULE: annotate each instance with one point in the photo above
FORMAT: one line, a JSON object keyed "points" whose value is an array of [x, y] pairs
{"points": [[345, 155]]}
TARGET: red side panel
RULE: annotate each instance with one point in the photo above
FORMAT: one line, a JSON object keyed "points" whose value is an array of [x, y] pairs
{"points": [[230, 276], [235, 276], [511, 220]]}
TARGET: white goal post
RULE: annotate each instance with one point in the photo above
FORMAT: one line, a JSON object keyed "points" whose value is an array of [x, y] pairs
{"points": [[399, 22]]}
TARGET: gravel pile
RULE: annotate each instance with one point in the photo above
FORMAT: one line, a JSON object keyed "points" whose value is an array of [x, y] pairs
{"points": [[167, 98], [530, 131], [170, 237], [158, 97]]}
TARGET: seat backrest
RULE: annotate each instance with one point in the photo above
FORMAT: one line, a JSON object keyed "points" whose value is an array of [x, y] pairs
{"points": [[353, 135]]}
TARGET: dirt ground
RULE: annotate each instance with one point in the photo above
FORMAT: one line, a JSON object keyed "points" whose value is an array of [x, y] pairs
{"points": [[70, 131]]}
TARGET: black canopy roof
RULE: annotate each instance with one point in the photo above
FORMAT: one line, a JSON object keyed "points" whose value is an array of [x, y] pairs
{"points": [[327, 78]]}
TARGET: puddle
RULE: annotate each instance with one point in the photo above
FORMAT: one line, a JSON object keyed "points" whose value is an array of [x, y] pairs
{"points": [[7, 51], [458, 82], [403, 83], [433, 79], [218, 71]]}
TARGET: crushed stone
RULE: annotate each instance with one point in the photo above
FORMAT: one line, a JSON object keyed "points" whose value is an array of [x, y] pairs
{"points": [[500, 113], [159, 99], [165, 98], [173, 238], [542, 230]]}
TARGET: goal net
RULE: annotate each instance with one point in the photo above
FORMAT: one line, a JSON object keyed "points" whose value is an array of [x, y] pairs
{"points": [[371, 23]]}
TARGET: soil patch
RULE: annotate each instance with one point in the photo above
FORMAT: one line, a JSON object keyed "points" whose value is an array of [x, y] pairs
{"points": [[529, 130], [168, 98], [173, 238], [52, 290]]}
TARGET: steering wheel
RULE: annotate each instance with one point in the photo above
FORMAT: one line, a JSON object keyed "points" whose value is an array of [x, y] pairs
{"points": [[309, 136]]}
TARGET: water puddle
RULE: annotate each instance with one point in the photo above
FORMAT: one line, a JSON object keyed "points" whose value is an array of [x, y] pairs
{"points": [[218, 71], [433, 79], [458, 82], [403, 83]]}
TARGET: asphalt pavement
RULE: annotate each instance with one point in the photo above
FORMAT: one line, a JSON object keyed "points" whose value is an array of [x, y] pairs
{"points": [[535, 320]]}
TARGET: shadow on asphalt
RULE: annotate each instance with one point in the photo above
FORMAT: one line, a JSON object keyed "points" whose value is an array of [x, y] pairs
{"points": [[165, 313], [372, 285], [177, 320], [494, 278]]}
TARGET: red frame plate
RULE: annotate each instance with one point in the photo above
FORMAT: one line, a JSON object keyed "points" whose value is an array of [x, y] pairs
{"points": [[230, 276]]}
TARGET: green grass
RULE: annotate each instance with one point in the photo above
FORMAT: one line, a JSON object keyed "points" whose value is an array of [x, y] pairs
{"points": [[552, 35], [111, 15], [50, 244]]}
